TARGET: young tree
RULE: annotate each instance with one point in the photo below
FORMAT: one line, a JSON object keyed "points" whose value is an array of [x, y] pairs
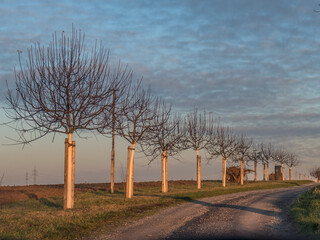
{"points": [[138, 110], [292, 161], [121, 81], [196, 136], [225, 146], [166, 139], [280, 155], [266, 155], [254, 156], [242, 153], [60, 89], [315, 172]]}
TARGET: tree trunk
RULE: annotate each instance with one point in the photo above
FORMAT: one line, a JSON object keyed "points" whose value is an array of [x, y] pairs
{"points": [[130, 172], [290, 173], [166, 159], [304, 177], [264, 171], [68, 200], [164, 171], [130, 168], [255, 170], [73, 170], [224, 171], [268, 171], [198, 171], [241, 171], [296, 175], [112, 143], [299, 176], [282, 172]]}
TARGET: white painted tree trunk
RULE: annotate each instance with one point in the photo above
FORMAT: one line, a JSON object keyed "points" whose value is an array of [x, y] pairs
{"points": [[164, 172], [255, 170], [69, 172], [130, 171], [267, 171], [224, 171], [290, 173], [198, 171], [241, 171]]}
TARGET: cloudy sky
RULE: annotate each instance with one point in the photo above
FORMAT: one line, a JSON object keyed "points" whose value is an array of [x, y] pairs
{"points": [[254, 64]]}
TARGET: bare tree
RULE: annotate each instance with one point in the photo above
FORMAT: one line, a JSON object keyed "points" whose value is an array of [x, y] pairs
{"points": [[315, 172], [165, 140], [254, 155], [196, 136], [60, 89], [138, 111], [225, 146], [280, 155], [267, 152], [292, 161], [242, 153], [121, 82]]}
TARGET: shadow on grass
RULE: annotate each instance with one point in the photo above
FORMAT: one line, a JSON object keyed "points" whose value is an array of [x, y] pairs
{"points": [[8, 237], [49, 203]]}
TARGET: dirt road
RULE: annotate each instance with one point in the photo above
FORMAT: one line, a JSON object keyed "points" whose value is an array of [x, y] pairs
{"points": [[248, 215]]}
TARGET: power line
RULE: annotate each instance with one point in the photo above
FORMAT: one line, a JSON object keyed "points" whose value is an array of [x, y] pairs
{"points": [[34, 174], [27, 179]]}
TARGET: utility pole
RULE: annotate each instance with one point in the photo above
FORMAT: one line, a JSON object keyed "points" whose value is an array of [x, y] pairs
{"points": [[34, 174], [1, 178], [27, 179]]}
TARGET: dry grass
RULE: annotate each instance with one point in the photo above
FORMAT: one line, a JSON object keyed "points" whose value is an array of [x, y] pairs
{"points": [[41, 215]]}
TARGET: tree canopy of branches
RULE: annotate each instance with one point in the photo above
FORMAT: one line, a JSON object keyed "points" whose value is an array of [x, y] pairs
{"points": [[60, 89], [196, 128], [225, 145], [280, 155], [315, 173], [292, 161], [242, 153], [138, 110], [167, 138], [266, 155], [121, 82]]}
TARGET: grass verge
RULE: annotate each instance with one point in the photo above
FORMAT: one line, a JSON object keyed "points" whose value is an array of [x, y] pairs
{"points": [[305, 211], [97, 211]]}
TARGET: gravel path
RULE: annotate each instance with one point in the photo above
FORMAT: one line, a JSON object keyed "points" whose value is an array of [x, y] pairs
{"points": [[259, 214]]}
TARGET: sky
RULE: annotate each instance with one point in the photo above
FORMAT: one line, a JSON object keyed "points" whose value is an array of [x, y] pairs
{"points": [[254, 64]]}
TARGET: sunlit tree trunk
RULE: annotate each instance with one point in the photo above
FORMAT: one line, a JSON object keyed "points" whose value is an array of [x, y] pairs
{"points": [[268, 171], [224, 171], [255, 170], [69, 171], [198, 171], [130, 170], [164, 171], [167, 187], [282, 172], [290, 173], [241, 171]]}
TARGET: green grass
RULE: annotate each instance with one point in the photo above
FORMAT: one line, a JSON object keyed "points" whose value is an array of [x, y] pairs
{"points": [[305, 211], [98, 211]]}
